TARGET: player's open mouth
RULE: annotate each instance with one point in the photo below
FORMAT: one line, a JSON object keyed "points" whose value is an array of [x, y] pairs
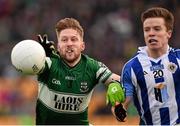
{"points": [[69, 50], [152, 41]]}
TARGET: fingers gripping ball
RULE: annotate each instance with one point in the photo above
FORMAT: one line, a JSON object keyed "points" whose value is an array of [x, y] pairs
{"points": [[115, 93]]}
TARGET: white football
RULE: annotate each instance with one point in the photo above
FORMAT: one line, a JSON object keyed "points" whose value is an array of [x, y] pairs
{"points": [[28, 57]]}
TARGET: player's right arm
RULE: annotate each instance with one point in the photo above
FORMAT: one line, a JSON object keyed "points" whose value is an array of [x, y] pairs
{"points": [[49, 49]]}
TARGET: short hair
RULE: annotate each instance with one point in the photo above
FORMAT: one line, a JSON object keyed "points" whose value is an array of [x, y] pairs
{"points": [[69, 23], [159, 12]]}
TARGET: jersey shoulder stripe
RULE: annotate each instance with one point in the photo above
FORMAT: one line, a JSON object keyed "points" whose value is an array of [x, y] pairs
{"points": [[101, 71], [128, 65], [175, 52]]}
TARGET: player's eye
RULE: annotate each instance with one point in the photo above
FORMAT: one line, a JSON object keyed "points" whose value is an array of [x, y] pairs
{"points": [[74, 39], [157, 29], [64, 39], [146, 29]]}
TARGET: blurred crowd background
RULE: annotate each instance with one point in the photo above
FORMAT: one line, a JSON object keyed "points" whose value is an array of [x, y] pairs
{"points": [[113, 31]]}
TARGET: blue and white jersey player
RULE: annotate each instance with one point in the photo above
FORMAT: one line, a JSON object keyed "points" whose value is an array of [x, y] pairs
{"points": [[152, 77]]}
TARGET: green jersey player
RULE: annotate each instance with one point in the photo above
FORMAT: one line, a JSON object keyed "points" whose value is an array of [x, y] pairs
{"points": [[67, 81]]}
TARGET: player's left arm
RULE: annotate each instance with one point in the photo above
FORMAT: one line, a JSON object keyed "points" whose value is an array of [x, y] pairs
{"points": [[113, 77], [115, 91]]}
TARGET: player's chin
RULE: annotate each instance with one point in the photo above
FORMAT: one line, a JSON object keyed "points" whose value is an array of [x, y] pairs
{"points": [[70, 59], [153, 46]]}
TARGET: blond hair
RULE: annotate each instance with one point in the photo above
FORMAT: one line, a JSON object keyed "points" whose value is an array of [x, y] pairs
{"points": [[69, 23]]}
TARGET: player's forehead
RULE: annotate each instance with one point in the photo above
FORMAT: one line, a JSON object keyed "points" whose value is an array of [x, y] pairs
{"points": [[69, 33], [154, 22]]}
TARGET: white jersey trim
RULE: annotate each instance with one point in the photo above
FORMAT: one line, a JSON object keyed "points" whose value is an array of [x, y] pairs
{"points": [[49, 62]]}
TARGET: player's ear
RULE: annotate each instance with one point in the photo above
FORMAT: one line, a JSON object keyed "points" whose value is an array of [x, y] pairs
{"points": [[169, 33], [83, 46]]}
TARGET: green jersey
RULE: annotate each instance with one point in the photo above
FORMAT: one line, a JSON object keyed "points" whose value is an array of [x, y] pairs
{"points": [[64, 92]]}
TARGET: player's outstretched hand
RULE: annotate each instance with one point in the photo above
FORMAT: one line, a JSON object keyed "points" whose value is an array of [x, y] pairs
{"points": [[47, 45]]}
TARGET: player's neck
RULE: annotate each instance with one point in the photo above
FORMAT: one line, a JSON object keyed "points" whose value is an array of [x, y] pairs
{"points": [[156, 53], [72, 64]]}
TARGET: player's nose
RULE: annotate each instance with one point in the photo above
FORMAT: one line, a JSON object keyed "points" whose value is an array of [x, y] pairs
{"points": [[151, 33], [69, 42]]}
